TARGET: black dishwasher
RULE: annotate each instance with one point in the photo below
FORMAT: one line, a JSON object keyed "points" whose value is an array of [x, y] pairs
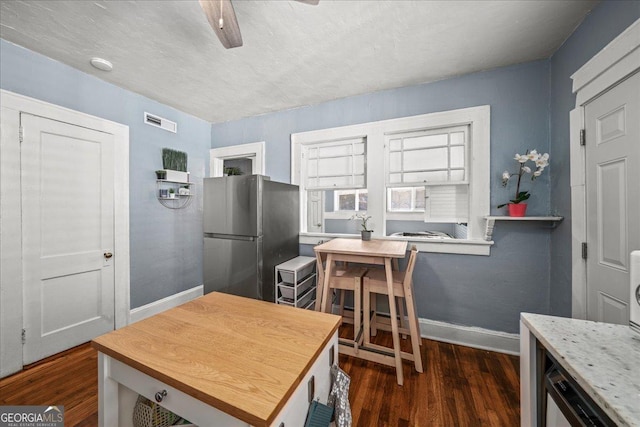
{"points": [[577, 407]]}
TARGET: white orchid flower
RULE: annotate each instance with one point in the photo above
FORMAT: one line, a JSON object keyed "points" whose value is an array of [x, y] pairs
{"points": [[538, 172], [527, 169], [521, 159], [533, 155], [506, 175]]}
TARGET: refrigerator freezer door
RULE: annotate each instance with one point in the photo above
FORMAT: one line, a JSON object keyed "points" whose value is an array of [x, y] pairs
{"points": [[232, 205], [233, 266]]}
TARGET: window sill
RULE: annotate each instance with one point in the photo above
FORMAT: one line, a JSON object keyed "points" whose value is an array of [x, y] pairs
{"points": [[443, 246]]}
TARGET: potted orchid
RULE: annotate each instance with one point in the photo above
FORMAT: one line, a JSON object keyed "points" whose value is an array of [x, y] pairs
{"points": [[365, 232], [541, 161]]}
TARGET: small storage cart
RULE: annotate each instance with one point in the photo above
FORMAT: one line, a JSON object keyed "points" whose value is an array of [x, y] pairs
{"points": [[296, 282]]}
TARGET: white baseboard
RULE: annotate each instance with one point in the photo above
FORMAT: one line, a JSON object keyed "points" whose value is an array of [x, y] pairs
{"points": [[163, 304], [484, 339], [469, 336]]}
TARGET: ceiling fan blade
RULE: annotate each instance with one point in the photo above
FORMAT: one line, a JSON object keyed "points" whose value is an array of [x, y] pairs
{"points": [[311, 2], [229, 34]]}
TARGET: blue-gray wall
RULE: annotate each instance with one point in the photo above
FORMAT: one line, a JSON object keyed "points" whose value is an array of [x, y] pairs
{"points": [[604, 24], [166, 245], [488, 292]]}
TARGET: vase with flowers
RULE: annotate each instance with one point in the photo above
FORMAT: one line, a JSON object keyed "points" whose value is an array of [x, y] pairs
{"points": [[365, 232], [516, 206]]}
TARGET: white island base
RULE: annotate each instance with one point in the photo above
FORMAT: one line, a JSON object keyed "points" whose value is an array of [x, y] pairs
{"points": [[119, 386], [219, 360]]}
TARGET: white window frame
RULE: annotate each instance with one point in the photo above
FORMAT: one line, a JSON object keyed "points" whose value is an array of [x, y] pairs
{"points": [[253, 151], [478, 118]]}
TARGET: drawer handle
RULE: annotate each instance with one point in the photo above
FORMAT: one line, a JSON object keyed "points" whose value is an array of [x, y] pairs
{"points": [[161, 395]]}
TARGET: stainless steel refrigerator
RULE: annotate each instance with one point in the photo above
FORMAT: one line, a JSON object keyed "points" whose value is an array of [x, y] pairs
{"points": [[251, 224]]}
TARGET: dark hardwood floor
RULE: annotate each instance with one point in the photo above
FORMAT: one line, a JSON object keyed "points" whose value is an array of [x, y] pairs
{"points": [[69, 378], [461, 386]]}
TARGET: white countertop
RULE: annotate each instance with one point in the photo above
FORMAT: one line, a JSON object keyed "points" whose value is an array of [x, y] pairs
{"points": [[603, 358]]}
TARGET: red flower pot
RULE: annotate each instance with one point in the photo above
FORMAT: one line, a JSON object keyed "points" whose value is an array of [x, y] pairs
{"points": [[517, 209]]}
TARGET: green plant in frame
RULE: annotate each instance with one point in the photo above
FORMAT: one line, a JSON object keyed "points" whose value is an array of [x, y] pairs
{"points": [[174, 160], [229, 171]]}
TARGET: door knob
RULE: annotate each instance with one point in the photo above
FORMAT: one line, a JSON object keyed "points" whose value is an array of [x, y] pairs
{"points": [[108, 255]]}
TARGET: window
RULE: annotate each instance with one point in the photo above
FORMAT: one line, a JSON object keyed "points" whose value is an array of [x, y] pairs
{"points": [[350, 200], [436, 159], [420, 173], [406, 199]]}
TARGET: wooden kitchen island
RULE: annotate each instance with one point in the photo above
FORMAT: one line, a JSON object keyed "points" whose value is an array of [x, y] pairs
{"points": [[223, 361]]}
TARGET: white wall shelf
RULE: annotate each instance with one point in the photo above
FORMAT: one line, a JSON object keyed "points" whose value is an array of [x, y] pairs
{"points": [[179, 201], [491, 220]]}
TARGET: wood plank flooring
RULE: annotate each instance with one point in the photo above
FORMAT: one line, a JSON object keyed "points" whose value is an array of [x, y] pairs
{"points": [[69, 378], [461, 386]]}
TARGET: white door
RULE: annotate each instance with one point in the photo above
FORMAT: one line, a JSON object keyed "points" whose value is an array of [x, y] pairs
{"points": [[67, 235], [613, 198], [315, 211]]}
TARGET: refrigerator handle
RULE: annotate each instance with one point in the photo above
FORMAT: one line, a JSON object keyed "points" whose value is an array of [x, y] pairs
{"points": [[229, 237]]}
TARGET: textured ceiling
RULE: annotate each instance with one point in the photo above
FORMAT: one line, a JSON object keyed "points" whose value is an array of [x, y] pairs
{"points": [[293, 54]]}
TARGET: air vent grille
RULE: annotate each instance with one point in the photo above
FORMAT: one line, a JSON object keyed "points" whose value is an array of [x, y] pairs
{"points": [[160, 122]]}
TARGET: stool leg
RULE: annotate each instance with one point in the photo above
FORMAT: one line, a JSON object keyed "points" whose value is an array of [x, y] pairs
{"points": [[374, 317], [325, 285], [403, 321], [341, 309], [366, 309], [414, 327]]}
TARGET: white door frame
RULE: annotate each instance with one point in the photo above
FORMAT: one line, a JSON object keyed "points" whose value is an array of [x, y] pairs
{"points": [[11, 298], [612, 64], [253, 149]]}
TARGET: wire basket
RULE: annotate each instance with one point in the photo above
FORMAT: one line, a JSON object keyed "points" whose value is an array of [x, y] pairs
{"points": [[149, 414]]}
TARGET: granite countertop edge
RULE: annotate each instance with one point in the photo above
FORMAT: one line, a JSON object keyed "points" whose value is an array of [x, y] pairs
{"points": [[619, 413]]}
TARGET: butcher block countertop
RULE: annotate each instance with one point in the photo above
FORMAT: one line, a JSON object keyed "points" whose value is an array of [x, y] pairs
{"points": [[242, 356]]}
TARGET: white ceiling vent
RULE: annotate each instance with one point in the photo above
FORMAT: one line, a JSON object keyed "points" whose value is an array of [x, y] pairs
{"points": [[157, 121]]}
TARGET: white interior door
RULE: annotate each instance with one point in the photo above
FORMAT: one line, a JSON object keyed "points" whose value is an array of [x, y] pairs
{"points": [[68, 235], [315, 211], [613, 198]]}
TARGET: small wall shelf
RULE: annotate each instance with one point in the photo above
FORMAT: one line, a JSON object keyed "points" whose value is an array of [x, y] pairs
{"points": [[180, 201], [491, 220]]}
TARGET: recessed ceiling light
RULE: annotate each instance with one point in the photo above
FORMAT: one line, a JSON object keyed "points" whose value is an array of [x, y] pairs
{"points": [[102, 64]]}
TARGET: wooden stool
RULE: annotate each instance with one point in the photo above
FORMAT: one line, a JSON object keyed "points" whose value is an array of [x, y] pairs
{"points": [[343, 279], [375, 282]]}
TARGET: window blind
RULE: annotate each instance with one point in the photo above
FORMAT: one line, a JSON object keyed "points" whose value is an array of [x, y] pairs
{"points": [[335, 164], [447, 203], [432, 156]]}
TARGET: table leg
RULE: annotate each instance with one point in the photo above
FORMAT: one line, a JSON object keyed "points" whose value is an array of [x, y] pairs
{"points": [[107, 395], [325, 286], [394, 321], [319, 281], [357, 296], [414, 326]]}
